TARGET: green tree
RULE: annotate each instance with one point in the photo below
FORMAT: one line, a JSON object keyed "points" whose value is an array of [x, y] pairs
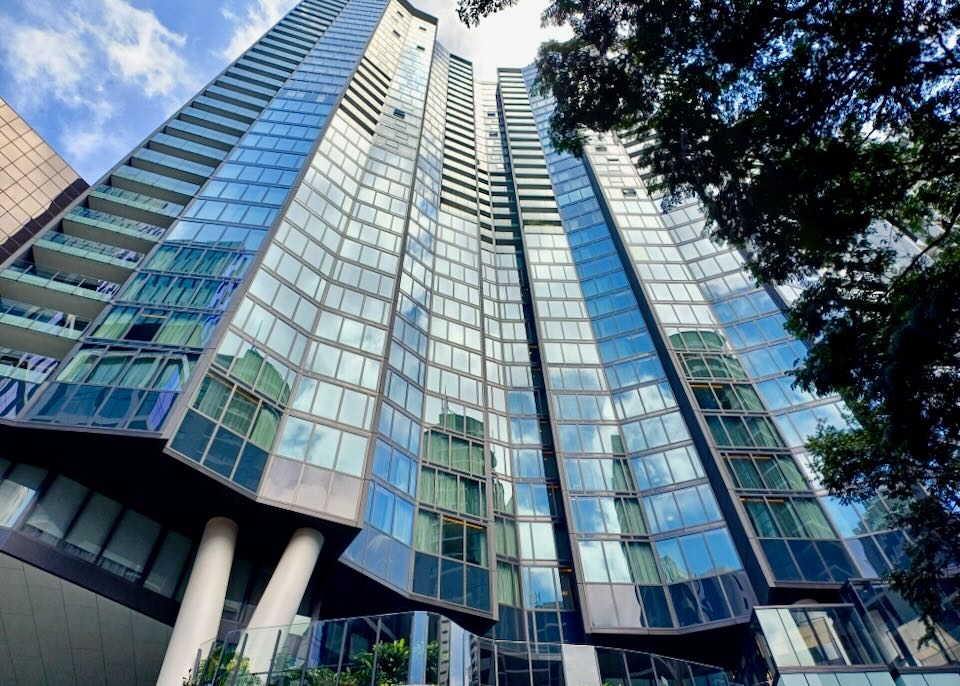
{"points": [[212, 671], [803, 127], [388, 663]]}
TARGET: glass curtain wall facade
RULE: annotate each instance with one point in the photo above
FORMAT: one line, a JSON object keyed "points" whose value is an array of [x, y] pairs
{"points": [[352, 287]]}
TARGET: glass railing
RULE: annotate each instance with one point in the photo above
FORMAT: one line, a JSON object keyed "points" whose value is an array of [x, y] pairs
{"points": [[899, 630], [211, 118], [215, 91], [242, 113], [186, 146], [202, 132], [22, 366], [244, 85], [133, 199], [258, 67], [421, 648], [26, 271], [21, 375], [42, 319], [173, 163], [802, 638], [112, 222], [154, 180], [83, 245]]}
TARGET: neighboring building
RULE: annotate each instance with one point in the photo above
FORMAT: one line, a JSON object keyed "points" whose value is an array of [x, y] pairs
{"points": [[345, 337], [35, 183]]}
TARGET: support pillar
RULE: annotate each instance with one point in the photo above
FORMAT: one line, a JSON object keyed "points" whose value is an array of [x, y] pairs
{"points": [[281, 599], [199, 617]]}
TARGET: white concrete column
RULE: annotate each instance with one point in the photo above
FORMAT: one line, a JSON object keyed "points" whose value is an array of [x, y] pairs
{"points": [[199, 617], [580, 665], [281, 599]]}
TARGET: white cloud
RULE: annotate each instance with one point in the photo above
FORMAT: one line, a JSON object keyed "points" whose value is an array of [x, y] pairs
{"points": [[41, 61], [252, 22], [143, 50], [73, 57], [509, 38], [94, 136]]}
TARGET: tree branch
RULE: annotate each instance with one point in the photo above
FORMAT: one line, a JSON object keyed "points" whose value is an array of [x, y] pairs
{"points": [[930, 246]]}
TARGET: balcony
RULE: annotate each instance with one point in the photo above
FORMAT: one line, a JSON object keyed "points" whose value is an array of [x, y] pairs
{"points": [[172, 166], [202, 135], [187, 149], [57, 252], [233, 98], [20, 376], [27, 367], [141, 208], [194, 115], [223, 109], [153, 185], [62, 291], [38, 330], [228, 81], [104, 227], [423, 648]]}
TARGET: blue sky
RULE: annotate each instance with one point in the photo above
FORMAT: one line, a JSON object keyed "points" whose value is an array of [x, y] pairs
{"points": [[94, 77]]}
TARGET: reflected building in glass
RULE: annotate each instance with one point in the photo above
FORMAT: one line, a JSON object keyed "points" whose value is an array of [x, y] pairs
{"points": [[346, 337]]}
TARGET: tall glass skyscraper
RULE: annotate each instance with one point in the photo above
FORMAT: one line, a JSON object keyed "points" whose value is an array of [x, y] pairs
{"points": [[346, 337]]}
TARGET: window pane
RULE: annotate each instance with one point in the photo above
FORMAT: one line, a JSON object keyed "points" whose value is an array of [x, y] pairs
{"points": [[617, 564], [57, 508], [813, 519], [787, 518], [665, 509], [428, 532], [476, 545], [17, 490], [452, 539], [771, 473], [544, 544], [508, 584], [691, 509], [591, 558], [168, 565], [696, 555], [674, 567], [789, 468], [745, 472], [91, 529], [541, 587], [724, 555], [761, 518], [127, 552], [643, 566], [212, 397]]}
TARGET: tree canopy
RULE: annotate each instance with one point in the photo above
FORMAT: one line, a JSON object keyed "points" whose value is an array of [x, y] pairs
{"points": [[804, 127]]}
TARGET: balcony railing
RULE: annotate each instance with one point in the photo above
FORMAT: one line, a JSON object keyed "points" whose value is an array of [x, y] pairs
{"points": [[414, 648], [899, 630], [138, 201], [41, 319], [802, 639], [85, 248], [65, 281], [112, 222], [29, 367]]}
